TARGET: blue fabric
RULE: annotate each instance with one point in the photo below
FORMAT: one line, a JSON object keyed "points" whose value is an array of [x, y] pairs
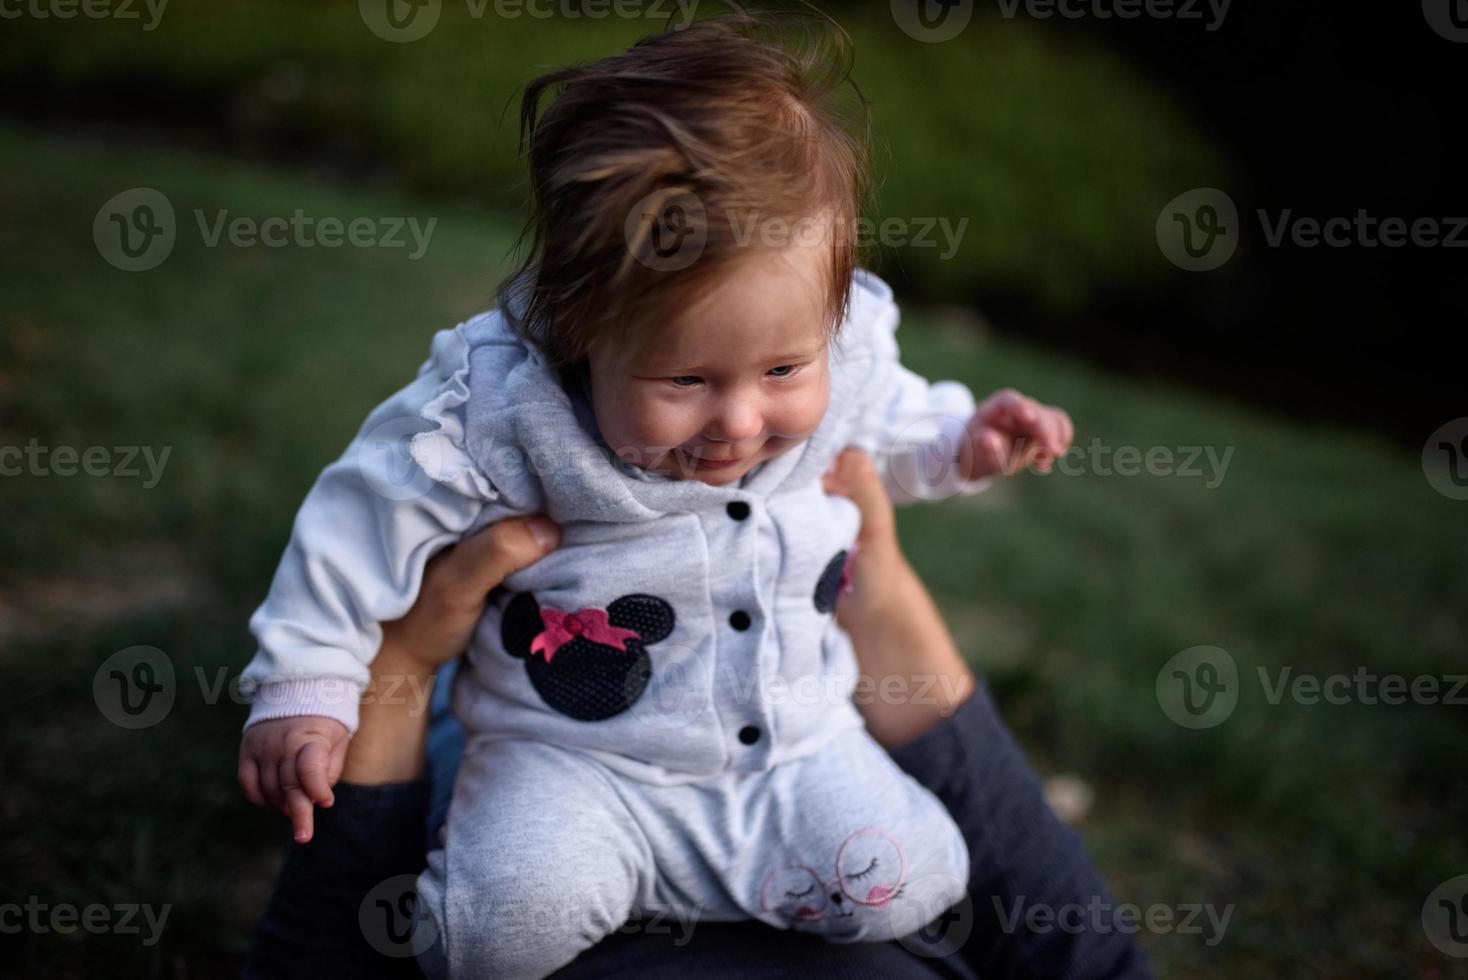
{"points": [[445, 750]]}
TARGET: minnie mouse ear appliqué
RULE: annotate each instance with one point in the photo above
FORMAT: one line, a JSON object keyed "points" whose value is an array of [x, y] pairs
{"points": [[589, 664], [835, 581]]}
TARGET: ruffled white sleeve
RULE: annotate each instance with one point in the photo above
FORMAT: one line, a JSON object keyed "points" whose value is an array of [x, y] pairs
{"points": [[921, 422], [404, 489]]}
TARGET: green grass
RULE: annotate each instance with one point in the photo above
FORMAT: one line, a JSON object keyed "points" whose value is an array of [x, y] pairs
{"points": [[1055, 152], [1325, 826]]}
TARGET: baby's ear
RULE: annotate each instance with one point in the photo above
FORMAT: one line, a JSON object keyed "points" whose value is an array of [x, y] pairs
{"points": [[650, 616], [520, 624]]}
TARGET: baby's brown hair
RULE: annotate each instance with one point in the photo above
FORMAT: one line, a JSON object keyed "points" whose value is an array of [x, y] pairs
{"points": [[713, 130]]}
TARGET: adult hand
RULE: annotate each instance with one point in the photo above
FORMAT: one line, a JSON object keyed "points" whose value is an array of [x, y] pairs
{"points": [[455, 584], [912, 675], [392, 729]]}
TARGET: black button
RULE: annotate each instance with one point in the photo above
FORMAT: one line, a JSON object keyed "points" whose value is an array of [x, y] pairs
{"points": [[749, 734], [739, 619], [738, 510]]}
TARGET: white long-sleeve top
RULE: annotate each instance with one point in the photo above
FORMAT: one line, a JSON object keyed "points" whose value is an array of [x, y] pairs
{"points": [[679, 629]]}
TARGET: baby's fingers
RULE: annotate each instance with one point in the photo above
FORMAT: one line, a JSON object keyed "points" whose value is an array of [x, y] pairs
{"points": [[270, 785], [297, 804], [301, 815], [312, 765], [249, 777], [338, 761]]}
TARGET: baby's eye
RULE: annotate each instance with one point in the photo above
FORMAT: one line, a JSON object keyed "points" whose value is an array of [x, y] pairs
{"points": [[686, 380], [783, 371], [864, 871]]}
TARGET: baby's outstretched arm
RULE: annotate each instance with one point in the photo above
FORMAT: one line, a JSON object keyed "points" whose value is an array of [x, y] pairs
{"points": [[292, 763], [405, 489], [932, 439], [1008, 431]]}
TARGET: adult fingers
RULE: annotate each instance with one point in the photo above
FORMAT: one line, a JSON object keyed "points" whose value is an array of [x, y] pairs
{"points": [[855, 476], [482, 560]]}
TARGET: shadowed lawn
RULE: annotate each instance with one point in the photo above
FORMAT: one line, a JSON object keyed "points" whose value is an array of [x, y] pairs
{"points": [[1325, 826]]}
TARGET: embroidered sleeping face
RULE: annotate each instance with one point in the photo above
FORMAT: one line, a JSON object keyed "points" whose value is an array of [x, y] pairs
{"points": [[736, 378], [869, 871]]}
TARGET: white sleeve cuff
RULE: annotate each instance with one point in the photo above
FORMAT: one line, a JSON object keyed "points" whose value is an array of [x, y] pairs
{"points": [[329, 697]]}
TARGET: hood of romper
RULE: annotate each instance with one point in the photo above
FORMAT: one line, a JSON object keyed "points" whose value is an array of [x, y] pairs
{"points": [[508, 426]]}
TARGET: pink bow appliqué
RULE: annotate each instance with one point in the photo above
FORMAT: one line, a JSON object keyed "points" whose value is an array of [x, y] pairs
{"points": [[845, 584], [562, 627]]}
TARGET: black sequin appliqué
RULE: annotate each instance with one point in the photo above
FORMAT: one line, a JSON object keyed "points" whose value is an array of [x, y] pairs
{"points": [[829, 584], [586, 680]]}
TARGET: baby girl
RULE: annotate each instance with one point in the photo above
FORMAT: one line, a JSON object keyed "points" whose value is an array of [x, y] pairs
{"points": [[658, 713]]}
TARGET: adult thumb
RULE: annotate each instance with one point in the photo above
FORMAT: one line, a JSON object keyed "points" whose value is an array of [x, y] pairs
{"points": [[482, 560]]}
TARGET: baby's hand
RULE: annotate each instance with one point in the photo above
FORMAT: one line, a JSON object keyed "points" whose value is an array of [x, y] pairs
{"points": [[290, 763], [1008, 431]]}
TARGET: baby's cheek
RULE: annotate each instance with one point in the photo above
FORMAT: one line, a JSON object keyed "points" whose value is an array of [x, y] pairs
{"points": [[803, 414], [644, 423]]}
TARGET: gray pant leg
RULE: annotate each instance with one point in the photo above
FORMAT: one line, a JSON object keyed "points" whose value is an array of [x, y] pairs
{"points": [[848, 846], [540, 860]]}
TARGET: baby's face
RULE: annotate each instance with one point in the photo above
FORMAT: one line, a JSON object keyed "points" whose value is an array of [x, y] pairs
{"points": [[729, 382]]}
